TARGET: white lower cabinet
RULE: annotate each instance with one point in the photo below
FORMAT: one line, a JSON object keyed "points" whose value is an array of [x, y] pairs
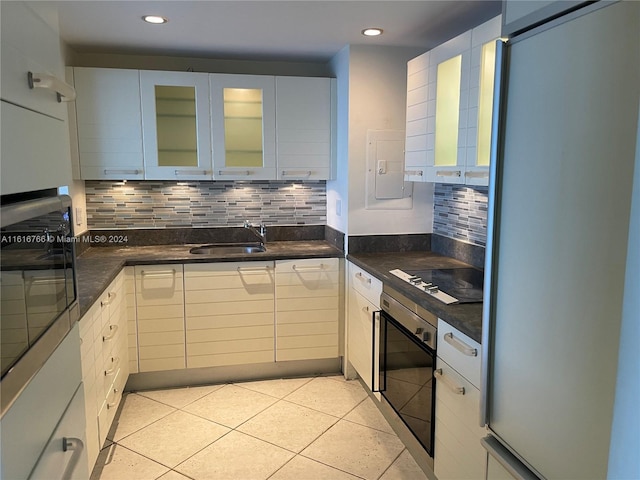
{"points": [[104, 356], [307, 309], [229, 312], [160, 317], [458, 451], [363, 302]]}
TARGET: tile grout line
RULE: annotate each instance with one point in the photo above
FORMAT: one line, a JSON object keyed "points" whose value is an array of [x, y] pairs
{"points": [[278, 399]]}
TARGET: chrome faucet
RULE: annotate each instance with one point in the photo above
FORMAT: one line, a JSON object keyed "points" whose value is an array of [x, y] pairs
{"points": [[260, 232]]}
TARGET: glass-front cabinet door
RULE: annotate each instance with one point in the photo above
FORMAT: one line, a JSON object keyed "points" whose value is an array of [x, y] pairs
{"points": [[481, 101], [451, 62], [243, 126], [175, 121]]}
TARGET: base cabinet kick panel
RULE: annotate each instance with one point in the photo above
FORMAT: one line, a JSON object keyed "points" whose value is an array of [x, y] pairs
{"points": [[307, 309], [229, 312]]}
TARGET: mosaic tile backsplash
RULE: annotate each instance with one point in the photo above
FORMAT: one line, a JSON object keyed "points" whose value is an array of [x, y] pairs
{"points": [[145, 204], [460, 212]]}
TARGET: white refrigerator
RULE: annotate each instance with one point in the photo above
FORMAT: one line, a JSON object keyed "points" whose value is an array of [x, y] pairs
{"points": [[559, 215]]}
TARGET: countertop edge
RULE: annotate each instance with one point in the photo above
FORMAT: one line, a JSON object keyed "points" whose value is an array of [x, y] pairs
{"points": [[465, 317], [99, 266]]}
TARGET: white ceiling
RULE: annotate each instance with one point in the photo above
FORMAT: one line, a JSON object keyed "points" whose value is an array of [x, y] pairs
{"points": [[294, 30]]}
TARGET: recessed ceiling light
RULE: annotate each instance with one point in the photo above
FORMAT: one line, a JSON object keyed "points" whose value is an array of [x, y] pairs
{"points": [[372, 32], [155, 19]]}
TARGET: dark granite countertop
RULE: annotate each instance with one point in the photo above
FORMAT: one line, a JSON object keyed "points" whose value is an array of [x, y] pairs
{"points": [[465, 317], [98, 266]]}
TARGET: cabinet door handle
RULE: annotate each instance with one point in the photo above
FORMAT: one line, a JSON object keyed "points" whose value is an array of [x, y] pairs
{"points": [[476, 174], [158, 273], [245, 173], [308, 268], [294, 173], [110, 171], [461, 346], [457, 389], [449, 173], [113, 329], [362, 278], [191, 172], [366, 309], [64, 91], [266, 268], [76, 446], [414, 173]]}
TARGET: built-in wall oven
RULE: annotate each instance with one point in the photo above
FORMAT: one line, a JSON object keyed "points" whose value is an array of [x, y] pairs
{"points": [[37, 287], [407, 358]]}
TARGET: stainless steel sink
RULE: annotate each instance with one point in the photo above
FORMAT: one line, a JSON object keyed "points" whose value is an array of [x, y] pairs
{"points": [[228, 248]]}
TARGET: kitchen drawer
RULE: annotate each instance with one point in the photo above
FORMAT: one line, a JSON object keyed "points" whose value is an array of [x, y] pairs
{"points": [[458, 452], [109, 407], [365, 284], [459, 351]]}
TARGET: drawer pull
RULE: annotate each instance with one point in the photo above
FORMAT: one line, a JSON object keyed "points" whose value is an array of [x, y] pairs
{"points": [[363, 279], [158, 273], [113, 329], [308, 268], [110, 296], [414, 173], [113, 404], [115, 361], [458, 390], [461, 346]]}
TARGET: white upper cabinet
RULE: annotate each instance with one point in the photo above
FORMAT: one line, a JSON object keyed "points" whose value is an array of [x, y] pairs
{"points": [[449, 109], [304, 110], [175, 123], [421, 103], [452, 64], [35, 137], [481, 96], [109, 123], [243, 122], [30, 44]]}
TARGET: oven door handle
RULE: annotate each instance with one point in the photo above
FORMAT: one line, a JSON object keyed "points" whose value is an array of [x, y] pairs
{"points": [[376, 360], [375, 351]]}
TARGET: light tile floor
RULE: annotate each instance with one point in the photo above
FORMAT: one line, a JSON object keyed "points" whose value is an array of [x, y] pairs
{"points": [[317, 428]]}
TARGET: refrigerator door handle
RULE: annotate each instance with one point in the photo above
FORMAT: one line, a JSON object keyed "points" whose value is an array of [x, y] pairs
{"points": [[493, 222], [505, 458]]}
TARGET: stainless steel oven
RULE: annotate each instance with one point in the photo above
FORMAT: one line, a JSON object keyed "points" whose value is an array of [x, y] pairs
{"points": [[37, 286], [407, 358]]}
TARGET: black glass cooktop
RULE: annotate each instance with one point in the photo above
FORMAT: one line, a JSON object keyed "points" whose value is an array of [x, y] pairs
{"points": [[465, 284]]}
